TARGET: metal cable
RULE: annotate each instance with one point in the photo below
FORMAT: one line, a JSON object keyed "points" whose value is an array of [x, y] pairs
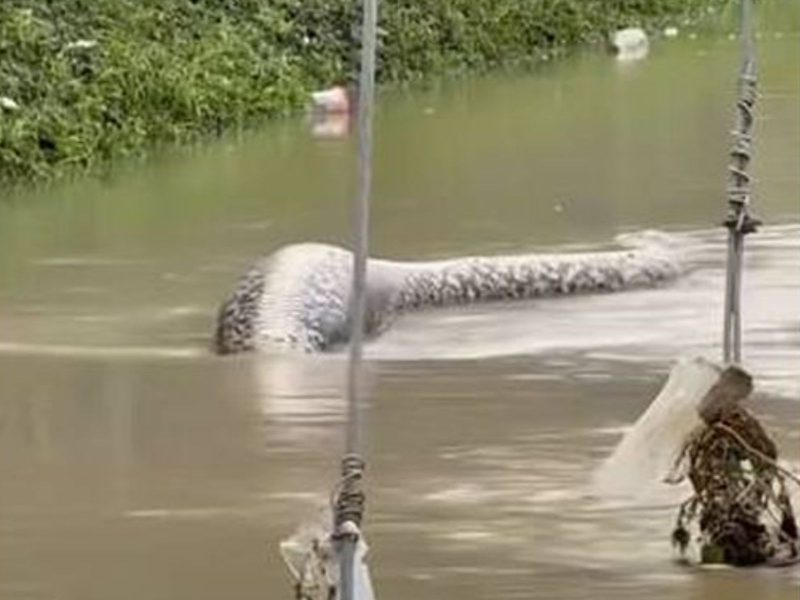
{"points": [[350, 500], [738, 220]]}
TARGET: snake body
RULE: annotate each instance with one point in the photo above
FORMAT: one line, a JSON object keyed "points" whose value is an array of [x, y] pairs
{"points": [[298, 296]]}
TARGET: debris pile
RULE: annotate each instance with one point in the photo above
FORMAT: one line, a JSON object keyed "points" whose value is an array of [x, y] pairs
{"points": [[740, 512]]}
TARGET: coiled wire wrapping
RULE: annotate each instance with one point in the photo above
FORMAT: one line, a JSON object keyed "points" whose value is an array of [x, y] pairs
{"points": [[738, 220], [348, 497]]}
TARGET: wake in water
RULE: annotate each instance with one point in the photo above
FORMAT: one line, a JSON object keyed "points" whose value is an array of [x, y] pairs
{"points": [[299, 296]]}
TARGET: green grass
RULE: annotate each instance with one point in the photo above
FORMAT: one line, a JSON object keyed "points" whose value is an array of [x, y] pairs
{"points": [[175, 71]]}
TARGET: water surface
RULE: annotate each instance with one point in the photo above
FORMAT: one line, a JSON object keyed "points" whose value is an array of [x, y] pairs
{"points": [[136, 465]]}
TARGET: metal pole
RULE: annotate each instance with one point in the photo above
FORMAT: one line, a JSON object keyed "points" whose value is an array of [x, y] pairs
{"points": [[738, 221], [361, 222], [351, 501]]}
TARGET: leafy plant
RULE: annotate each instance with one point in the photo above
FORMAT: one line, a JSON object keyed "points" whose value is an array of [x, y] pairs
{"points": [[85, 82]]}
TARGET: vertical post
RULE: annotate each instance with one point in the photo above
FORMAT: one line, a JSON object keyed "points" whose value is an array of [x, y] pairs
{"points": [[738, 221], [351, 499], [366, 100]]}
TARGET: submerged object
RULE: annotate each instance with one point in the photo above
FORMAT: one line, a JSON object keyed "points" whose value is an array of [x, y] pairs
{"points": [[298, 297], [740, 512], [331, 100], [696, 432], [630, 44]]}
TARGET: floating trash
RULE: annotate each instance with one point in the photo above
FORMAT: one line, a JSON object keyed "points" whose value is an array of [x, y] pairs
{"points": [[81, 45], [630, 44], [8, 104]]}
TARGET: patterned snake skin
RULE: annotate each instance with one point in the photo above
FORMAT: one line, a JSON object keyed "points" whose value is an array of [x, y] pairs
{"points": [[298, 296]]}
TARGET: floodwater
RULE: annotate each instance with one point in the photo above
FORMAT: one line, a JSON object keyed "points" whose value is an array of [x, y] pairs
{"points": [[134, 464]]}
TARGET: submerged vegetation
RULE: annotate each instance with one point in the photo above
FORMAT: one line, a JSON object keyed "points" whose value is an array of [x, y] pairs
{"points": [[85, 81]]}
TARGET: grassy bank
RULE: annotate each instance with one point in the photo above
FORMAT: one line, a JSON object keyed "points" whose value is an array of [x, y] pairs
{"points": [[85, 82]]}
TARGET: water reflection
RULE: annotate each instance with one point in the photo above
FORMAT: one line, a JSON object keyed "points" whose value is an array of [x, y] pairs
{"points": [[330, 125], [299, 389]]}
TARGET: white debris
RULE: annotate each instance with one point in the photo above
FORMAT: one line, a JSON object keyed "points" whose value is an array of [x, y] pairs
{"points": [[7, 103], [630, 44], [334, 100], [81, 45], [647, 453], [670, 32]]}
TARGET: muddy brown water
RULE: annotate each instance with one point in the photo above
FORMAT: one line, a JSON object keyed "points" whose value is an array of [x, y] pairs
{"points": [[133, 464]]}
